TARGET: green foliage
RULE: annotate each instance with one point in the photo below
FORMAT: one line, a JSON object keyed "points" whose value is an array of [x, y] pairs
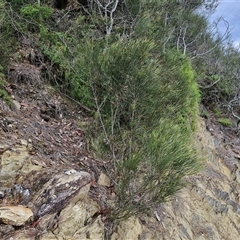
{"points": [[154, 173], [225, 122], [179, 79], [131, 90], [116, 74], [7, 38], [16, 5], [52, 45], [128, 82], [131, 87], [217, 111], [36, 12], [3, 93]]}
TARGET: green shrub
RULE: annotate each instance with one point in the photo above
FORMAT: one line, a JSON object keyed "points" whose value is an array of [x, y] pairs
{"points": [[52, 46], [36, 12], [225, 122], [34, 16], [3, 93], [131, 91], [125, 77], [154, 173], [7, 38]]}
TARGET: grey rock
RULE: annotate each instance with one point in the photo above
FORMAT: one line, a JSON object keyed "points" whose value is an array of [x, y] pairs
{"points": [[217, 206], [57, 192], [184, 231], [222, 195], [234, 205]]}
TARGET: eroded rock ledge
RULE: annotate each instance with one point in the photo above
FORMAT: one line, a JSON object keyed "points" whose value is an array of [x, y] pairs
{"points": [[54, 200]]}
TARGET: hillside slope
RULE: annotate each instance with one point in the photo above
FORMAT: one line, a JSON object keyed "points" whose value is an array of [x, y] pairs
{"points": [[46, 167], [88, 142]]}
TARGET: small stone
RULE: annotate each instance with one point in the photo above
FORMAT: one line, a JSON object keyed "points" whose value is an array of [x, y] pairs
{"points": [[104, 180], [9, 120], [30, 147], [16, 104], [2, 194], [23, 142], [15, 215], [3, 148]]}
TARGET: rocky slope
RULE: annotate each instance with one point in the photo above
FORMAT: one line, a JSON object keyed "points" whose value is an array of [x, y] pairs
{"points": [[51, 188], [208, 208]]}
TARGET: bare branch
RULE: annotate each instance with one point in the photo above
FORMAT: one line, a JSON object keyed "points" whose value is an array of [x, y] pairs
{"points": [[210, 85], [220, 41]]}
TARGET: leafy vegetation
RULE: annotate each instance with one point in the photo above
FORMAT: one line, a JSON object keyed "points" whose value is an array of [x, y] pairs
{"points": [[137, 67], [7, 39], [225, 122], [135, 90], [36, 12], [3, 93]]}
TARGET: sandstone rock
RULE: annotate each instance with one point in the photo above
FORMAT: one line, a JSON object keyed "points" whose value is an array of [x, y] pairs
{"points": [[130, 229], [15, 215], [76, 214], [104, 180], [94, 231], [16, 159], [27, 234], [11, 162], [30, 165], [66, 195]]}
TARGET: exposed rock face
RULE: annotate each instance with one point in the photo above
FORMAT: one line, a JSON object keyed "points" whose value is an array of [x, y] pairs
{"points": [[44, 198], [131, 229], [208, 208]]}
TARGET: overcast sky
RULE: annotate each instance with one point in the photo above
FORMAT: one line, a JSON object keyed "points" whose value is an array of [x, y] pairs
{"points": [[230, 11]]}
